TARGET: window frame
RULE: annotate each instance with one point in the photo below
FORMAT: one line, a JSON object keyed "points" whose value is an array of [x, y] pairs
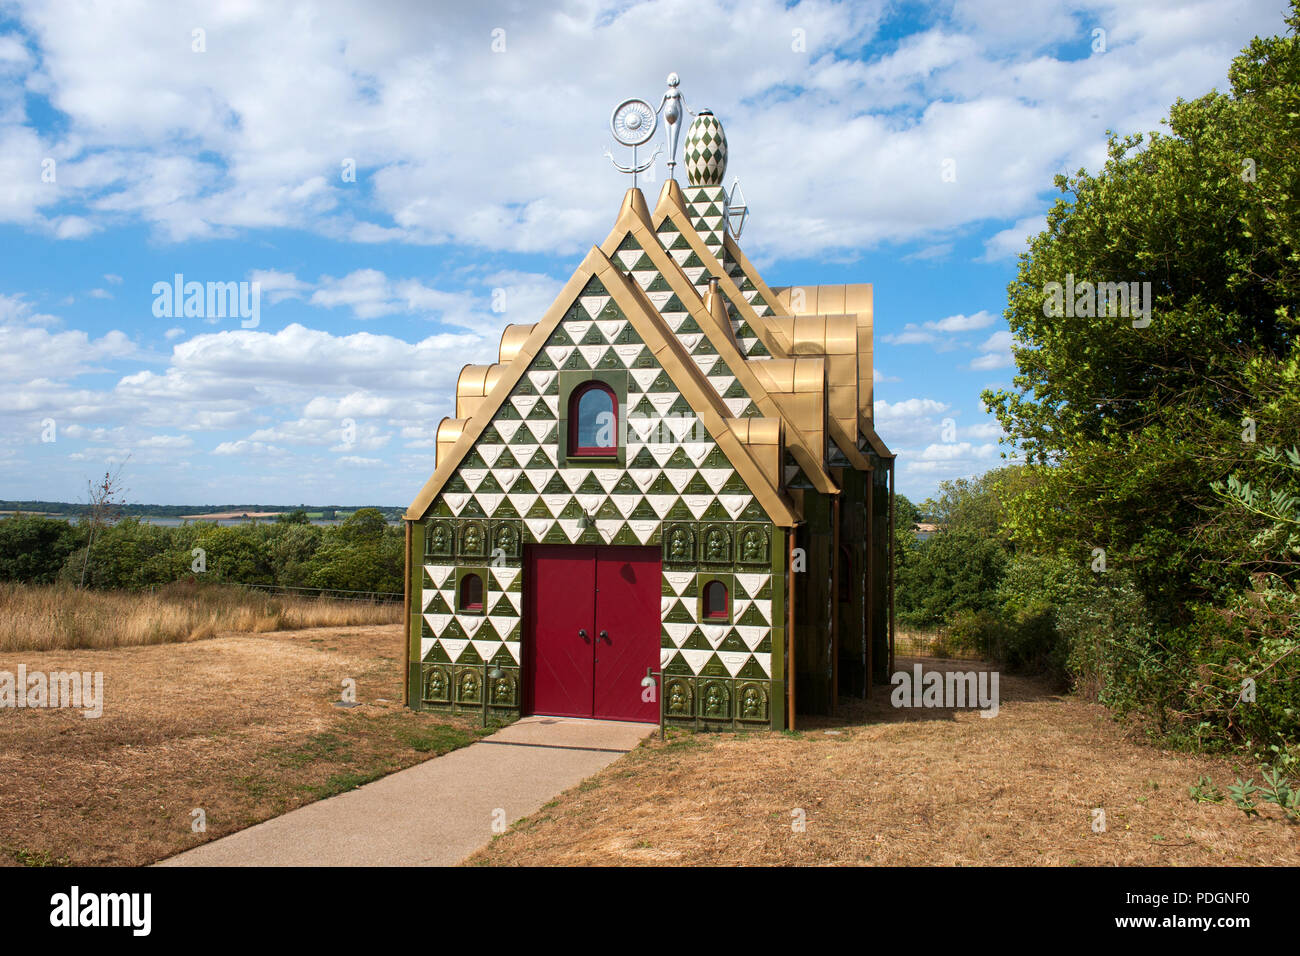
{"points": [[702, 581], [577, 450], [573, 381], [462, 578], [709, 616]]}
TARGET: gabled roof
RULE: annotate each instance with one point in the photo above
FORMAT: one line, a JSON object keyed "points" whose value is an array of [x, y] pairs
{"points": [[659, 339], [780, 342], [670, 204], [808, 450]]}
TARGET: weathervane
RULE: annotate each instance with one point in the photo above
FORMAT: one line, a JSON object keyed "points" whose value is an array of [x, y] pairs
{"points": [[633, 123]]}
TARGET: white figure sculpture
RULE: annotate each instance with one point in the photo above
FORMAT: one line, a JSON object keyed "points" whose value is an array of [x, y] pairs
{"points": [[672, 106]]}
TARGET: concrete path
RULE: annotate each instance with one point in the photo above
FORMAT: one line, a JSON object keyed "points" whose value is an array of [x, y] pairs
{"points": [[435, 813]]}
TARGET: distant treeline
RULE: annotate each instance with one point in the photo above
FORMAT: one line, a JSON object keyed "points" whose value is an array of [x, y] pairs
{"points": [[324, 512], [363, 553]]}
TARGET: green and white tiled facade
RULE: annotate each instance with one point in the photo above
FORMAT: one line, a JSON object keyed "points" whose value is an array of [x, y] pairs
{"points": [[672, 239], [675, 489]]}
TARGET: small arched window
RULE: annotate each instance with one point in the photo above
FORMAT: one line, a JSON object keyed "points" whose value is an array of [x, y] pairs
{"points": [[593, 420], [471, 593], [716, 604]]}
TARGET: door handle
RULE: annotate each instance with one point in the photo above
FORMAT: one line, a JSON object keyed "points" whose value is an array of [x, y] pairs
{"points": [[605, 637], [582, 633]]}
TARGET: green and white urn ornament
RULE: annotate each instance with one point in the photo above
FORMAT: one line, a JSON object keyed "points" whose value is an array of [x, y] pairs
{"points": [[705, 151]]}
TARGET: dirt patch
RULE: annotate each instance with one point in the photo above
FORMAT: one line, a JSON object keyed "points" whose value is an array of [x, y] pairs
{"points": [[241, 726], [905, 787]]}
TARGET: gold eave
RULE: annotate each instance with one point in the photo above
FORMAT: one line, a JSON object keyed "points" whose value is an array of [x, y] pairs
{"points": [[856, 300]]}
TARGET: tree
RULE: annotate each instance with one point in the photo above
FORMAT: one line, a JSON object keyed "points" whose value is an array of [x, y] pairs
{"points": [[1135, 420], [103, 505]]}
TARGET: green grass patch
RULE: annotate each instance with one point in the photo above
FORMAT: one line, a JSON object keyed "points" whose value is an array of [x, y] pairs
{"points": [[25, 857]]}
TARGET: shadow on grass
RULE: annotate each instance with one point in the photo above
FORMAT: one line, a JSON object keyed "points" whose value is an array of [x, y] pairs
{"points": [[879, 708]]}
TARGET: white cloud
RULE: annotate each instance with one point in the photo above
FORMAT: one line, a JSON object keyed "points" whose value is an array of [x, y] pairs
{"points": [[242, 447], [29, 354], [963, 323], [455, 144], [1009, 243], [996, 351]]}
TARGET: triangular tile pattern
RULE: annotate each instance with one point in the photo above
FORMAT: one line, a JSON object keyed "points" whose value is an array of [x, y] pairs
{"points": [[719, 374], [454, 632], [707, 208], [750, 343], [674, 472], [670, 235]]}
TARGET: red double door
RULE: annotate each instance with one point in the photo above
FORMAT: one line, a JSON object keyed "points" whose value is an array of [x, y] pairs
{"points": [[592, 630]]}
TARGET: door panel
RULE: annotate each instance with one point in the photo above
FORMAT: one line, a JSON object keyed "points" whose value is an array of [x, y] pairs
{"points": [[627, 631], [558, 662]]}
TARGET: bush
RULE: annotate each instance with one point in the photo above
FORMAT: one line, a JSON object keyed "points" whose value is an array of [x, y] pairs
{"points": [[951, 572], [33, 549]]}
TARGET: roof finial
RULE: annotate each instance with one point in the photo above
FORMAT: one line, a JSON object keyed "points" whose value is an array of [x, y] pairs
{"points": [[633, 122], [672, 105]]}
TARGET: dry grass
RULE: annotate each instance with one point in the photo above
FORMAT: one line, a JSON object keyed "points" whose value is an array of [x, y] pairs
{"points": [[899, 787], [59, 617], [240, 726]]}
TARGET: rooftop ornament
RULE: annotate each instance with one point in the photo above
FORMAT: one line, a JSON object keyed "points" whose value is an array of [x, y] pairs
{"points": [[633, 123]]}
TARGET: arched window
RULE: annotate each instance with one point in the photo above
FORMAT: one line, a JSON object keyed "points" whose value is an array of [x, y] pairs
{"points": [[716, 605], [471, 593], [593, 420]]}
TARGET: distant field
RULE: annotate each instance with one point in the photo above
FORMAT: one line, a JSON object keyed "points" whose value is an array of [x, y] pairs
{"points": [[60, 617], [923, 642]]}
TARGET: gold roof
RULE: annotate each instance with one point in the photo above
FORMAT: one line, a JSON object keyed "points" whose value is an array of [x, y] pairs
{"points": [[828, 300]]}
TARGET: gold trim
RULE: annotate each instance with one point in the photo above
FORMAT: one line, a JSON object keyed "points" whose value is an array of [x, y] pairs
{"points": [[670, 198], [512, 340], [634, 204]]}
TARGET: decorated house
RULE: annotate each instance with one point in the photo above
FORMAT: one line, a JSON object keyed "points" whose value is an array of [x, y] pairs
{"points": [[665, 500]]}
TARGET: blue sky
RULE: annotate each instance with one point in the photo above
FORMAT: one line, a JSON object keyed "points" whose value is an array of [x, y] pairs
{"points": [[908, 145]]}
